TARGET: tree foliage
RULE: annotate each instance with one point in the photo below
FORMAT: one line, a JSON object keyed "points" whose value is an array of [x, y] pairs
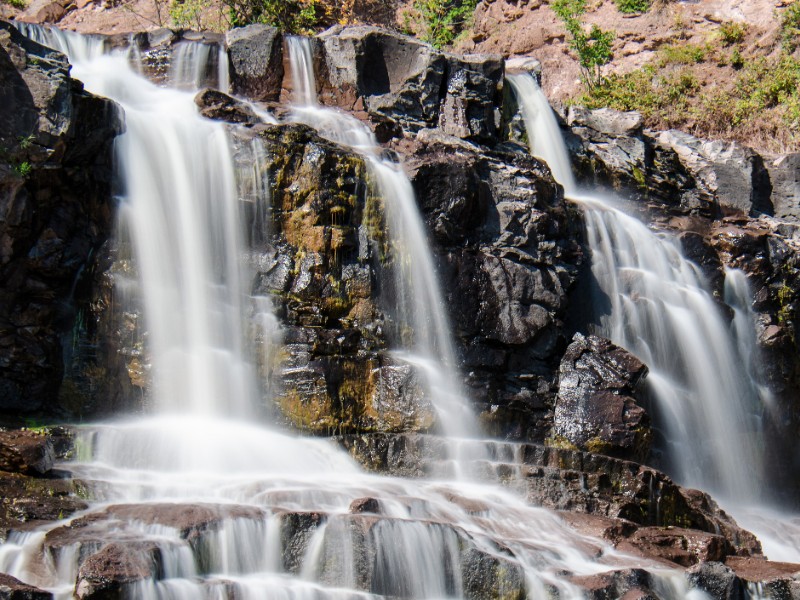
{"points": [[593, 47], [291, 16], [439, 22]]}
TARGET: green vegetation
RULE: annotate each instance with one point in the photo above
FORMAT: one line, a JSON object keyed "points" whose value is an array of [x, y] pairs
{"points": [[291, 16], [187, 14], [18, 4], [439, 22], [684, 54], [23, 169], [759, 103], [790, 27], [593, 48], [632, 6], [732, 32]]}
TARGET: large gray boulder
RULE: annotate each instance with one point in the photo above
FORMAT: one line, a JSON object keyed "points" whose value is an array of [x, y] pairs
{"points": [[729, 175], [255, 56], [596, 407], [784, 176]]}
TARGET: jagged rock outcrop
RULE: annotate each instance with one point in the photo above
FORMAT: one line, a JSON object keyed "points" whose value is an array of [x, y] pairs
{"points": [[597, 408], [13, 589], [508, 259], [389, 77], [678, 171], [32, 491], [55, 176]]}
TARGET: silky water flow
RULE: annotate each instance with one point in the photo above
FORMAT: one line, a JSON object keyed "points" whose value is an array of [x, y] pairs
{"points": [[703, 369], [200, 500]]}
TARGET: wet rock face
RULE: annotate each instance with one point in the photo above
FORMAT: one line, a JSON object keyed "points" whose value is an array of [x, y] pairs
{"points": [[55, 177], [319, 260], [507, 254], [597, 407]]}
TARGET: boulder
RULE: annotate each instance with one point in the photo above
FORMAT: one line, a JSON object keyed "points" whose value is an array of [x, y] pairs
{"points": [[255, 56], [625, 583], [684, 547], [729, 175], [219, 106], [31, 501], [784, 177], [717, 580], [776, 579], [13, 589], [597, 408], [109, 572], [27, 452]]}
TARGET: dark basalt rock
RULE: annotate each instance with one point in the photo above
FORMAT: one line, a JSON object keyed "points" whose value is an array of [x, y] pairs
{"points": [[55, 195], [14, 589], [672, 169], [385, 75], [256, 62], [507, 253], [778, 580], [216, 105], [609, 497], [626, 583], [597, 407]]}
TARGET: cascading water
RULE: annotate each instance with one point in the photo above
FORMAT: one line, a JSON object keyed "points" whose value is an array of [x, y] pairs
{"points": [[419, 306], [658, 305], [205, 506]]}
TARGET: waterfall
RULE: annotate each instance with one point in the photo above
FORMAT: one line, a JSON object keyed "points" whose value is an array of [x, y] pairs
{"points": [[419, 306], [703, 369], [220, 507]]}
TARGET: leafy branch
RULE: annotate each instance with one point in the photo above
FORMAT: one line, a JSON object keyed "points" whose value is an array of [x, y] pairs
{"points": [[593, 47]]}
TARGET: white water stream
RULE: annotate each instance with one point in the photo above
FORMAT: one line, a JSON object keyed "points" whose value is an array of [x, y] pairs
{"points": [[201, 451], [419, 307], [703, 369]]}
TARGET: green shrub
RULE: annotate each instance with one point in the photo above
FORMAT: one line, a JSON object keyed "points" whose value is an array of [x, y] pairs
{"points": [[187, 14], [439, 22], [790, 27], [23, 169], [632, 6], [593, 48], [683, 54], [732, 32], [737, 60], [290, 16]]}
